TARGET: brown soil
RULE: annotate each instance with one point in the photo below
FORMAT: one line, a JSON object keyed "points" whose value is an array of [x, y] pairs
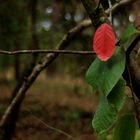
{"points": [[53, 105]]}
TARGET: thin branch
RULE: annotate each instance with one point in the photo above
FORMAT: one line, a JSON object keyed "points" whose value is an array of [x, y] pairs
{"points": [[110, 15], [133, 95], [93, 15], [51, 127], [85, 23], [117, 5], [48, 59], [46, 51]]}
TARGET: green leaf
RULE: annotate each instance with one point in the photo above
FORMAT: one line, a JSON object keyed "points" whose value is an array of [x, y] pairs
{"points": [[103, 76], [104, 116], [109, 107], [117, 95], [126, 127], [102, 136], [137, 136], [129, 32]]}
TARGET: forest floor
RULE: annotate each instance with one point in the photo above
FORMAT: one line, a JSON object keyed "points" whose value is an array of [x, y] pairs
{"points": [[55, 108]]}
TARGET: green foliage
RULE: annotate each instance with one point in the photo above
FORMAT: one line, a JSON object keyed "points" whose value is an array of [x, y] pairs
{"points": [[103, 76], [109, 107], [129, 36], [129, 32], [102, 136], [137, 136], [117, 95], [104, 116], [126, 127]]}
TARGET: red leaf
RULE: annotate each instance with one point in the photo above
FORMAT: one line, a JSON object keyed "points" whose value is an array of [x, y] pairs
{"points": [[104, 42]]}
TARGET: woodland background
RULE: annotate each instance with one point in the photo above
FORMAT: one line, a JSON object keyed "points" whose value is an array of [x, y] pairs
{"points": [[60, 99]]}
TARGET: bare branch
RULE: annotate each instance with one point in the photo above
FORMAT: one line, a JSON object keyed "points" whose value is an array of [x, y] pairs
{"points": [[117, 5], [133, 94], [35, 72], [110, 15], [54, 128], [84, 24], [46, 51], [91, 7]]}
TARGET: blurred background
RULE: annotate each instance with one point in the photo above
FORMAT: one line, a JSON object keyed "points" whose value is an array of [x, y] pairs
{"points": [[60, 97]]}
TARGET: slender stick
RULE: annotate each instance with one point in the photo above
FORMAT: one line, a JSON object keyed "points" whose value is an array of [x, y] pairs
{"points": [[133, 95], [46, 51], [51, 127], [110, 14]]}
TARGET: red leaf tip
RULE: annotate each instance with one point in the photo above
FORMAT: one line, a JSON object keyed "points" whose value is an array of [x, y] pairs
{"points": [[104, 42]]}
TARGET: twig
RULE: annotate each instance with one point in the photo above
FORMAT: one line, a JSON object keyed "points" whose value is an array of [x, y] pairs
{"points": [[110, 15], [90, 6], [98, 4], [133, 95], [117, 5], [51, 127], [46, 51], [86, 24]]}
